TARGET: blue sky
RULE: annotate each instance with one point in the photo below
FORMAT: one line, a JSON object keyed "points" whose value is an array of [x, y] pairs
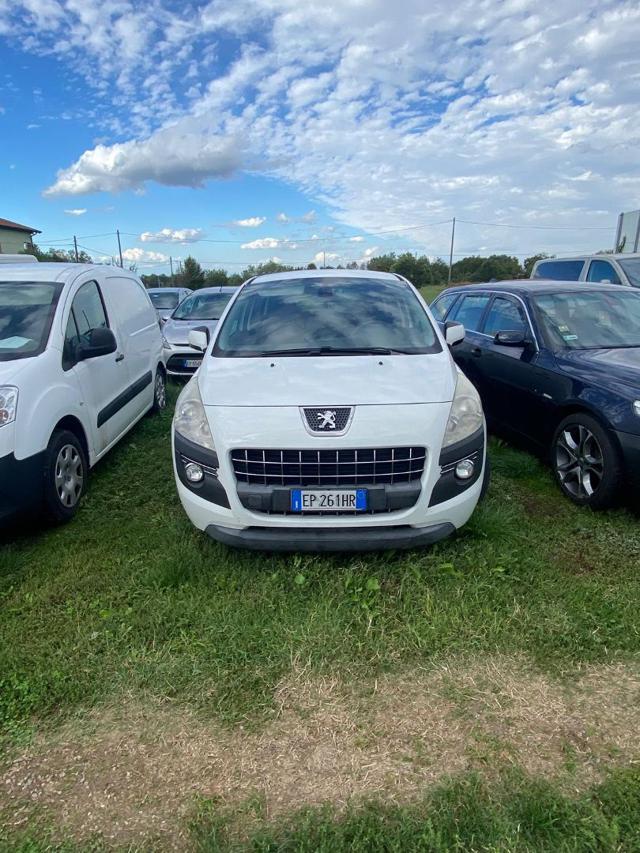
{"points": [[246, 130]]}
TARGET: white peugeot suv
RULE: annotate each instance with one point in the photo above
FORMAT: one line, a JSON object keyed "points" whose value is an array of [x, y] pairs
{"points": [[328, 415]]}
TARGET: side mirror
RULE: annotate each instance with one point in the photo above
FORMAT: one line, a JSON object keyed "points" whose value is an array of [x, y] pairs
{"points": [[453, 333], [510, 339], [101, 342], [199, 339]]}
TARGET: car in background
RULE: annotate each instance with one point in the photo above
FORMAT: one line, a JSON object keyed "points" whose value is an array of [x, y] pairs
{"points": [[600, 269], [328, 415], [166, 299], [558, 363], [201, 310], [80, 363]]}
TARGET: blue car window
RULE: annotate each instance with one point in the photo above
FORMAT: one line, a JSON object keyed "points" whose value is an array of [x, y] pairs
{"points": [[442, 304], [602, 271], [469, 311], [505, 315]]}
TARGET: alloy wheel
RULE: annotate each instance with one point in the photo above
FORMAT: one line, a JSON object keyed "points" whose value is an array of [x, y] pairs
{"points": [[160, 391], [579, 461]]}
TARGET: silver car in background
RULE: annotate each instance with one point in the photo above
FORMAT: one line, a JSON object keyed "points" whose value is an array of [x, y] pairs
{"points": [[201, 310], [166, 299]]}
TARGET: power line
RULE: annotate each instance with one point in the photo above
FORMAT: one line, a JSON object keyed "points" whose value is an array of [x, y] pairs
{"points": [[539, 227]]}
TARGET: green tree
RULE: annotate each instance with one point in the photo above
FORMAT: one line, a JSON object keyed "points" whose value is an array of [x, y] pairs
{"points": [[58, 256], [192, 273], [216, 278]]}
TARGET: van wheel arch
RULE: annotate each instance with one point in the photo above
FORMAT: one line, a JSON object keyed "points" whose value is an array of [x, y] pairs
{"points": [[72, 424]]}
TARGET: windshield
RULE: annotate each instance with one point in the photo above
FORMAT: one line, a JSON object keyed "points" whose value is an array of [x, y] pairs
{"points": [[164, 300], [26, 313], [202, 306], [631, 266], [590, 320], [324, 316]]}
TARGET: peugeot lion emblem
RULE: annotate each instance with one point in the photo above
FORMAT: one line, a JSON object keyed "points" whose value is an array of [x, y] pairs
{"points": [[327, 419]]}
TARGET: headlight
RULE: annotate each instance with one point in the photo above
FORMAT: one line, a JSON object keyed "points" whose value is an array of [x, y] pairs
{"points": [[165, 343], [465, 416], [190, 419], [8, 404]]}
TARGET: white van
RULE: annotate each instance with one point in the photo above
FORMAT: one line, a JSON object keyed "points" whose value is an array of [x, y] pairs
{"points": [[80, 362], [328, 414]]}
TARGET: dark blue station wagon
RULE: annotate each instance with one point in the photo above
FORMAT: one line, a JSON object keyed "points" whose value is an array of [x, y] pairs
{"points": [[559, 364]]}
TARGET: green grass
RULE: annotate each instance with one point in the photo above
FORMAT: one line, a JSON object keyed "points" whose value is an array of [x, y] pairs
{"points": [[516, 813], [512, 814], [130, 597]]}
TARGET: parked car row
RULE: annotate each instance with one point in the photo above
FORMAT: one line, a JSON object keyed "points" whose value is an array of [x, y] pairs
{"points": [[325, 409]]}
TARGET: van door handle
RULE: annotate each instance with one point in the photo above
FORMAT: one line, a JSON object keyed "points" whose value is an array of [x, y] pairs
{"points": [[120, 356], [476, 351]]}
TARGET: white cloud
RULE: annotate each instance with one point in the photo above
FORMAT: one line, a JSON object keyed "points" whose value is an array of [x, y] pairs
{"points": [[515, 112], [251, 222], [262, 243], [356, 239], [171, 235], [282, 217], [172, 156], [137, 256], [309, 217], [76, 211], [321, 258]]}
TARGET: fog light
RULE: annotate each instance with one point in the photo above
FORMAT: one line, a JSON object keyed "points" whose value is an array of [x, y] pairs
{"points": [[465, 469], [193, 472]]}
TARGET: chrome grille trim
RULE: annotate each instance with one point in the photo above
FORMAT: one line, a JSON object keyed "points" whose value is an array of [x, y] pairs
{"points": [[327, 467]]}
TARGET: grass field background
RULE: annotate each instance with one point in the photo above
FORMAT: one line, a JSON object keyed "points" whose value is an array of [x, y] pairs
{"points": [[131, 602]]}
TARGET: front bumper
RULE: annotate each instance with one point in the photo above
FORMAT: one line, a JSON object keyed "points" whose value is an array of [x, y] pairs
{"points": [[21, 483], [340, 539], [176, 356], [237, 517]]}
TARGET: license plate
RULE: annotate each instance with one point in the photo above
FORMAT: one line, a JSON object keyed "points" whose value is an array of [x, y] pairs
{"points": [[339, 500], [192, 362]]}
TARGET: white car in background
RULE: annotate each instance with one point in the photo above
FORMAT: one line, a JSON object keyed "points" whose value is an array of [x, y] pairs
{"points": [[80, 362], [328, 414], [166, 299]]}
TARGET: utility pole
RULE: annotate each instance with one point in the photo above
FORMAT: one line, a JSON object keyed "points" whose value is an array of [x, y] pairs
{"points": [[119, 249], [453, 237], [75, 247], [171, 265], [324, 260]]}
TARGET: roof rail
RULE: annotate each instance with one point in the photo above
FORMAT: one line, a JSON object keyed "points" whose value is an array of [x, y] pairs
{"points": [[18, 259]]}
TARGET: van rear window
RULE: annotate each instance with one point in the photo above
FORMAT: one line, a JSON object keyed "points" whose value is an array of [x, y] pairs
{"points": [[559, 270]]}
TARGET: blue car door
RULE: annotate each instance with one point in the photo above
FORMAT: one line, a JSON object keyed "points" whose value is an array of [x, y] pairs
{"points": [[470, 310]]}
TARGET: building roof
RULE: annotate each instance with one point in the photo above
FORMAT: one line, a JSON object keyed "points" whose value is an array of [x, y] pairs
{"points": [[15, 226]]}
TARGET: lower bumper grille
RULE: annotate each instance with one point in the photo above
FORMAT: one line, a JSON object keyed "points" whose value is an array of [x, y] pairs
{"points": [[342, 467], [177, 363]]}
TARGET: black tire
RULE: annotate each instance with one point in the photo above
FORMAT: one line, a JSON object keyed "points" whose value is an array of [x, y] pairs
{"points": [[586, 462], [486, 478], [65, 476], [159, 392]]}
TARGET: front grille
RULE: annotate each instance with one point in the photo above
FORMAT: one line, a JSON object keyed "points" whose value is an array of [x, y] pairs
{"points": [[327, 420], [366, 466]]}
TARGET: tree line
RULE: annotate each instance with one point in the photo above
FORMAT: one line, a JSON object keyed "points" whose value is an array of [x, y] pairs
{"points": [[419, 269]]}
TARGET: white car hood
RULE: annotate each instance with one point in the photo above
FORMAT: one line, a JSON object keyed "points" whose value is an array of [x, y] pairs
{"points": [[9, 370], [327, 380]]}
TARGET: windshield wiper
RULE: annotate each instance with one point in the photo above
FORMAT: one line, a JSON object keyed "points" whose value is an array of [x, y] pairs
{"points": [[336, 351]]}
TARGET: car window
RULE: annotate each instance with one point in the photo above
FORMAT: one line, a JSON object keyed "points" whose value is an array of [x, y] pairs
{"points": [[469, 311], [588, 319], [442, 304], [164, 300], [631, 267], [88, 311], [505, 315], [202, 306], [602, 271], [26, 314], [324, 316], [559, 270]]}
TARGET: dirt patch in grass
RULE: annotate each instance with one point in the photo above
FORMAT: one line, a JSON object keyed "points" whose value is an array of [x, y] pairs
{"points": [[133, 772]]}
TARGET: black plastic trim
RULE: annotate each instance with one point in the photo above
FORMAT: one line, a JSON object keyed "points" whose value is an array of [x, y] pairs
{"points": [[125, 398], [381, 497], [309, 539], [210, 488], [630, 445], [21, 483], [462, 449]]}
